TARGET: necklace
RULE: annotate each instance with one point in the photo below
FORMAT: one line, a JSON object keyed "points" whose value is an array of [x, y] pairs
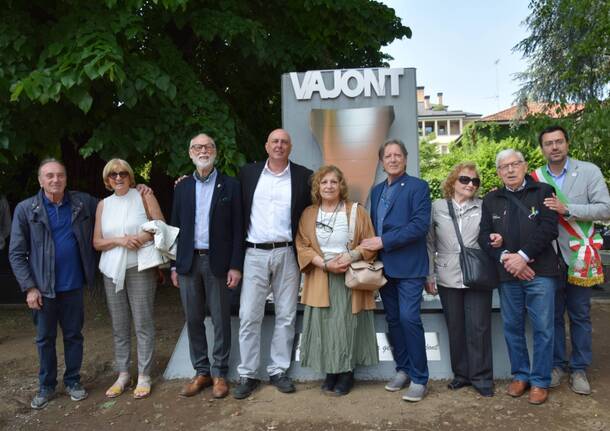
{"points": [[325, 226]]}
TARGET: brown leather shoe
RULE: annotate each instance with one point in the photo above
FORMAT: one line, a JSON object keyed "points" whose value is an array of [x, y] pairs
{"points": [[538, 395], [221, 387], [196, 385], [516, 388]]}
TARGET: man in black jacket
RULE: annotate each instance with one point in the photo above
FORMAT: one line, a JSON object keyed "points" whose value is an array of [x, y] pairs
{"points": [[275, 193], [207, 209], [528, 269]]}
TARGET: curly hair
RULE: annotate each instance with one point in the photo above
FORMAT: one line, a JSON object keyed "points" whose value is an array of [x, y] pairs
{"points": [[316, 178], [448, 189]]}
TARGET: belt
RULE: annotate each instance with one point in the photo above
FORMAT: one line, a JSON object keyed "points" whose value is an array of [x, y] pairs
{"points": [[269, 245], [201, 251]]}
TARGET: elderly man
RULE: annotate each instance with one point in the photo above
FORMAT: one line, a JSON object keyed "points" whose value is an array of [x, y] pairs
{"points": [[581, 196], [207, 209], [528, 270], [400, 210], [52, 256], [275, 193]]}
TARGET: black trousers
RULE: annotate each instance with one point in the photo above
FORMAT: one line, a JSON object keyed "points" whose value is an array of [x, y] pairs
{"points": [[468, 316]]}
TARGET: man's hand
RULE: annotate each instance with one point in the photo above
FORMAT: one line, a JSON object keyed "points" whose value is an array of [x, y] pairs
{"points": [[555, 204], [372, 244], [34, 298], [144, 190], [513, 263], [174, 277], [495, 240], [233, 277], [527, 274], [430, 287]]}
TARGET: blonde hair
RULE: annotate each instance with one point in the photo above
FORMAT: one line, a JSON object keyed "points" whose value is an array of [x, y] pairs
{"points": [[448, 185], [316, 199], [110, 167]]}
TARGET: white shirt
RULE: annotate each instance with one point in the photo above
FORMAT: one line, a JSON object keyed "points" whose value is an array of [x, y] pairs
{"points": [[335, 242], [270, 216]]}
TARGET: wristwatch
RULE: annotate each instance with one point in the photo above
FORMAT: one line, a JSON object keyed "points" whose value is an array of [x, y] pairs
{"points": [[567, 214]]}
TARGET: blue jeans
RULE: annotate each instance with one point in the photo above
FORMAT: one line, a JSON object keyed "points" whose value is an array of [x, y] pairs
{"points": [[537, 299], [66, 309], [577, 301], [401, 301]]}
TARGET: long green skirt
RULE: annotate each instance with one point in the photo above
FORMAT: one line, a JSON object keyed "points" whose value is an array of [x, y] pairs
{"points": [[334, 340]]}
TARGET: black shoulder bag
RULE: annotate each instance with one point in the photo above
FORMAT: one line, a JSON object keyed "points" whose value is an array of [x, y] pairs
{"points": [[478, 269]]}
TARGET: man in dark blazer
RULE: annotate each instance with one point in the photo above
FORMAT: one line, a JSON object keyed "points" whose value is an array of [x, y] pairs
{"points": [[275, 193], [400, 210], [207, 208]]}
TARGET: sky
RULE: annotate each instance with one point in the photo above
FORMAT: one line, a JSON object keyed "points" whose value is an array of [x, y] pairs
{"points": [[454, 47]]}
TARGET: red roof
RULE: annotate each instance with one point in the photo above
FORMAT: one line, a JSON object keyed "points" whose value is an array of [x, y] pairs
{"points": [[519, 112]]}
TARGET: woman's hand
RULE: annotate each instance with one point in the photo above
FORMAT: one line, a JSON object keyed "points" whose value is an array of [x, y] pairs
{"points": [[131, 242], [337, 265]]}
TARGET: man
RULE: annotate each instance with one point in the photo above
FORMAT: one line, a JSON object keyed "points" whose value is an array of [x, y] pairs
{"points": [[528, 270], [207, 209], [580, 197], [52, 256], [275, 193], [400, 210]]}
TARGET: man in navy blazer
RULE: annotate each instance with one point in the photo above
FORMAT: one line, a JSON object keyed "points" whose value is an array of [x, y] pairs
{"points": [[208, 210], [400, 210]]}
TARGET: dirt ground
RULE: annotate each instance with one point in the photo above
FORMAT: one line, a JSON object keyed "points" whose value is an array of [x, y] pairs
{"points": [[368, 407]]}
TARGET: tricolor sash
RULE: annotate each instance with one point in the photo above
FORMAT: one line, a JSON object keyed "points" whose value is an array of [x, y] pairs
{"points": [[585, 264]]}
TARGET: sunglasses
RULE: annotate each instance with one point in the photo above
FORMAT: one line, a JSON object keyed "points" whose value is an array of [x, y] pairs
{"points": [[465, 179], [121, 175]]}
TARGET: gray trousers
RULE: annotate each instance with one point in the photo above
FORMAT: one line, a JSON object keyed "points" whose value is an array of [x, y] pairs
{"points": [[198, 289], [137, 299], [273, 270]]}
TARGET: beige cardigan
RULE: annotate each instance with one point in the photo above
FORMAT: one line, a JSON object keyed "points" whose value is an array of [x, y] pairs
{"points": [[315, 289]]}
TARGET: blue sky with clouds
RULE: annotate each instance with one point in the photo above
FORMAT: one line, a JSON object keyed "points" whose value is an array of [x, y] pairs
{"points": [[455, 45]]}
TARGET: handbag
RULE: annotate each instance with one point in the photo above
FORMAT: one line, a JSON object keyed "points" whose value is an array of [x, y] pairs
{"points": [[363, 275], [478, 269]]}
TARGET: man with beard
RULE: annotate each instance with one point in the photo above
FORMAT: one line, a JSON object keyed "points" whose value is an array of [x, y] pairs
{"points": [[207, 208]]}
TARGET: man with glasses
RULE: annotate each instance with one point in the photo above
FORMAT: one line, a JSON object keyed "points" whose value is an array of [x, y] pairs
{"points": [[207, 208], [275, 192], [580, 198], [528, 270]]}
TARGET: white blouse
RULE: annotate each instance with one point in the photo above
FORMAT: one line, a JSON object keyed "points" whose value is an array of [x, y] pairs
{"points": [[334, 236]]}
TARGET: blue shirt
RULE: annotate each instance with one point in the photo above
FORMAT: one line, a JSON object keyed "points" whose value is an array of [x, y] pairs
{"points": [[384, 201], [68, 266], [562, 176], [203, 202]]}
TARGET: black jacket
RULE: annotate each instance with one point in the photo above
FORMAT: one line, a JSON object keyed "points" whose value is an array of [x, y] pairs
{"points": [[300, 178], [533, 234], [226, 230]]}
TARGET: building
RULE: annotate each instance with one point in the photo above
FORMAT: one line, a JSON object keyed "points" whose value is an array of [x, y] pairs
{"points": [[519, 114], [436, 118]]}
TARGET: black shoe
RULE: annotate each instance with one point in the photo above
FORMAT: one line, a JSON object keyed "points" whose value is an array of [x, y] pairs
{"points": [[345, 383], [282, 382], [329, 382], [457, 384], [485, 392], [245, 388]]}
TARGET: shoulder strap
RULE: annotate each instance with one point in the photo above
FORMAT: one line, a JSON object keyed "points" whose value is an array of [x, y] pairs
{"points": [[517, 202], [352, 222], [455, 225], [145, 206]]}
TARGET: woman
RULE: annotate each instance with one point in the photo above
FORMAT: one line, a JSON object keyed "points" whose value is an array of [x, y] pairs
{"points": [[467, 311], [338, 326], [118, 236]]}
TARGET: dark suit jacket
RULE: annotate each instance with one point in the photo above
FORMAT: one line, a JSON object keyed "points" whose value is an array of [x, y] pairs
{"points": [[301, 191], [405, 226], [226, 225]]}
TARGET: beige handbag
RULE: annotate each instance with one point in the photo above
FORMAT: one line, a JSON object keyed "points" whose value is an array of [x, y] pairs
{"points": [[363, 275]]}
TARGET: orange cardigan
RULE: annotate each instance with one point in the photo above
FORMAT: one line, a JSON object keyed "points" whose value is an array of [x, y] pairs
{"points": [[315, 288]]}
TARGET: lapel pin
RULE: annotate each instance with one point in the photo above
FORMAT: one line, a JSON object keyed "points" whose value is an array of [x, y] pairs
{"points": [[218, 186], [402, 184]]}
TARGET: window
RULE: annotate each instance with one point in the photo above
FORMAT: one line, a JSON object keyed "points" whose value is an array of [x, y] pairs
{"points": [[429, 127], [454, 127], [442, 128]]}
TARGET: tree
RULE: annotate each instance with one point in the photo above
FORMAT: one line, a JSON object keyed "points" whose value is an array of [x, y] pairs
{"points": [[136, 78]]}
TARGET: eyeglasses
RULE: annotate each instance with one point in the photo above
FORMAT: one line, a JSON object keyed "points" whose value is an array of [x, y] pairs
{"points": [[507, 166], [465, 179], [115, 175], [200, 148], [325, 227]]}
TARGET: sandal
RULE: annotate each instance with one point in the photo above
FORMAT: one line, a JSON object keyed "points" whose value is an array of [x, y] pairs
{"points": [[118, 387], [142, 389]]}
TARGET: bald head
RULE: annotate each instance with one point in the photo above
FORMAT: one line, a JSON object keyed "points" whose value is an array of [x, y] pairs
{"points": [[278, 146]]}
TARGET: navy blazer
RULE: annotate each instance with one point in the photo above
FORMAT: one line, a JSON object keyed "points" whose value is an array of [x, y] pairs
{"points": [[226, 225], [405, 226], [300, 184]]}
